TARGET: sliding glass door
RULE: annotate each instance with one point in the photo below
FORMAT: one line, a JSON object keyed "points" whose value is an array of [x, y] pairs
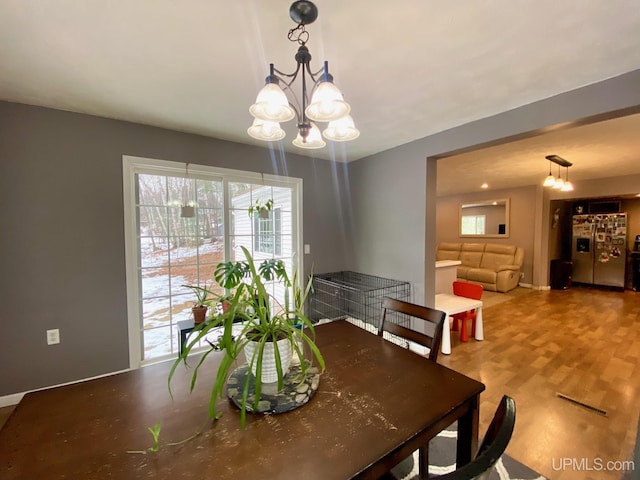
{"points": [[172, 246]]}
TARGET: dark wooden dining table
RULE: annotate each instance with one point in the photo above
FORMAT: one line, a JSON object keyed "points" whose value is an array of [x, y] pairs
{"points": [[376, 403]]}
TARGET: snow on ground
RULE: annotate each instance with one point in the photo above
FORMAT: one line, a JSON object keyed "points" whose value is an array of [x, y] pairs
{"points": [[160, 311], [165, 300]]}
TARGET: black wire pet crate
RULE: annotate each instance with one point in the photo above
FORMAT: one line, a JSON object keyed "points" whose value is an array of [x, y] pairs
{"points": [[354, 295]]}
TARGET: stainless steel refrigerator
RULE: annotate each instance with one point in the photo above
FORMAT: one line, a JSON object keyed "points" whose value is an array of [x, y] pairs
{"points": [[599, 249]]}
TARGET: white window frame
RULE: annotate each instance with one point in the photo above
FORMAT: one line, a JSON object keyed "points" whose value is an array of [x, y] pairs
{"points": [[474, 220], [138, 165], [274, 215]]}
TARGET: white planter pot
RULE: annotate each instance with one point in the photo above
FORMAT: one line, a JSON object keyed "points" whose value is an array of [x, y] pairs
{"points": [[269, 371]]}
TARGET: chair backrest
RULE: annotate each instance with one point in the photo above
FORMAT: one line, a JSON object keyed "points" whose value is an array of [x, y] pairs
{"points": [[434, 323], [493, 446], [468, 290]]}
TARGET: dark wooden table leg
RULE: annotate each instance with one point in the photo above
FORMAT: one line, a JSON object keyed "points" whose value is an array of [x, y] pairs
{"points": [[468, 434], [423, 459]]}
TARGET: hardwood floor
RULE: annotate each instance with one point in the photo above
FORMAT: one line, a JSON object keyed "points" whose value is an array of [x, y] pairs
{"points": [[581, 342]]}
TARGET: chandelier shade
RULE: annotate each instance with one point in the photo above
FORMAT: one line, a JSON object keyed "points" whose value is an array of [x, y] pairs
{"points": [[341, 130], [312, 140], [327, 103], [266, 130], [272, 105], [567, 187], [558, 184], [277, 102], [549, 181]]}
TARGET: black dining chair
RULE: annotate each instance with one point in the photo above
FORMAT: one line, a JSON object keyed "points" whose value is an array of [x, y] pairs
{"points": [[433, 322], [493, 446]]}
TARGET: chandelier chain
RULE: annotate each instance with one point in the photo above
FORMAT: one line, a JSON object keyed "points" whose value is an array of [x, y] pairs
{"points": [[298, 34]]}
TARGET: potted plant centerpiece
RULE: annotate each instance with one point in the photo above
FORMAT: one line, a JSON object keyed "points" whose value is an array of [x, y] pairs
{"points": [[269, 334]]}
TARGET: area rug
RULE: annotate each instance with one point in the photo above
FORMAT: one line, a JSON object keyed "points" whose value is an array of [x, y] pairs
{"points": [[442, 459]]}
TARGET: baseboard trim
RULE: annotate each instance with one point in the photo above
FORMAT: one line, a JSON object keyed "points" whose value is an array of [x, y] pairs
{"points": [[9, 400], [534, 287], [14, 398]]}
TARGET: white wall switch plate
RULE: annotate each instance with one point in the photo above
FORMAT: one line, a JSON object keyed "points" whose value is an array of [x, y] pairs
{"points": [[53, 336], [307, 249]]}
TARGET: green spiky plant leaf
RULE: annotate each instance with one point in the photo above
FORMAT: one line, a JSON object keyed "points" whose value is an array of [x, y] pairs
{"points": [[250, 302]]}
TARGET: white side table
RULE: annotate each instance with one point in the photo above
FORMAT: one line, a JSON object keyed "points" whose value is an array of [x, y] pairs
{"points": [[452, 304]]}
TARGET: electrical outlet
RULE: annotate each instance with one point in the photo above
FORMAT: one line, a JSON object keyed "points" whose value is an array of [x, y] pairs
{"points": [[521, 275], [53, 336]]}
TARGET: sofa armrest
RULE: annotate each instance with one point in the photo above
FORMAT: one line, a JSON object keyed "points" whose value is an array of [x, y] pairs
{"points": [[507, 278], [513, 268]]}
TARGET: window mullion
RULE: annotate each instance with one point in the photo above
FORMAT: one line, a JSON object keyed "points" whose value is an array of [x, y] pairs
{"points": [[226, 215]]}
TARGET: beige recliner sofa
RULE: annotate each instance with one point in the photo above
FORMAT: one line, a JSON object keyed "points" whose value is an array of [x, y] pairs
{"points": [[494, 266]]}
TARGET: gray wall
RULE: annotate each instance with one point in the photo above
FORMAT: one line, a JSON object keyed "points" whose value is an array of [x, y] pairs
{"points": [[521, 228], [388, 213], [62, 247], [394, 230]]}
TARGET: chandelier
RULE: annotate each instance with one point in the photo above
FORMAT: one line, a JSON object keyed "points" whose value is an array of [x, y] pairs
{"points": [[326, 103]]}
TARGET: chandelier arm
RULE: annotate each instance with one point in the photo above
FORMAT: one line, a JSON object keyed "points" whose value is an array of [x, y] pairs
{"points": [[283, 76], [315, 75], [321, 75], [286, 86], [296, 107]]}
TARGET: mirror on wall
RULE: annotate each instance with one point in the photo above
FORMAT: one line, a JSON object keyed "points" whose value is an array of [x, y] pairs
{"points": [[485, 218]]}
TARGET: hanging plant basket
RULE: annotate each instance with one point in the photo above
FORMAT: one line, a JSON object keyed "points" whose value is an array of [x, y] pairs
{"points": [[187, 211], [262, 209]]}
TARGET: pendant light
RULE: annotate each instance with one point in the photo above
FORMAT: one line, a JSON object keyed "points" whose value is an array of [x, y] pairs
{"points": [[567, 187], [550, 180], [557, 185]]}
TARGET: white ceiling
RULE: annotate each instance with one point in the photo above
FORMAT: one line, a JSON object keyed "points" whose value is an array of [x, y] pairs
{"points": [[409, 68], [609, 148]]}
